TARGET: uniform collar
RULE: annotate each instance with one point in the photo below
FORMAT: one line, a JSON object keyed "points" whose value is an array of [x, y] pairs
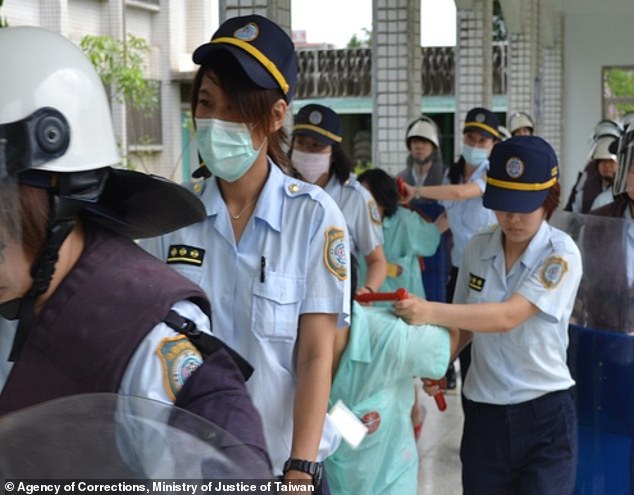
{"points": [[268, 207], [332, 183], [481, 169], [533, 250], [359, 346]]}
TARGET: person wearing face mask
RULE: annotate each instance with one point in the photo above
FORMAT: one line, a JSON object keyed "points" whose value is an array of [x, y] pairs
{"points": [[461, 195], [84, 310], [273, 251], [317, 154]]}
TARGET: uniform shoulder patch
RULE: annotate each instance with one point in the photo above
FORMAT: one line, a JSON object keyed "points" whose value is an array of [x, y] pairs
{"points": [[373, 209], [185, 255], [335, 253], [476, 283], [180, 359], [552, 271]]}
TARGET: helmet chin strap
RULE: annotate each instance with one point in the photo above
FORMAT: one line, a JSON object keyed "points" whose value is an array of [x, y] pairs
{"points": [[62, 221]]}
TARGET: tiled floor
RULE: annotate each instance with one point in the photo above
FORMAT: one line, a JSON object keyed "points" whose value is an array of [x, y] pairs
{"points": [[438, 447]]}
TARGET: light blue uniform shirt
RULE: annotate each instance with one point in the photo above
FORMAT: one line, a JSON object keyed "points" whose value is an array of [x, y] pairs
{"points": [[530, 360], [361, 214], [468, 217], [292, 259], [374, 380]]}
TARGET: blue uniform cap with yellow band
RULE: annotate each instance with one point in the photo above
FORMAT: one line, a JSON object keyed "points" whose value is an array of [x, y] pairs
{"points": [[483, 121], [261, 47], [522, 170], [320, 123]]}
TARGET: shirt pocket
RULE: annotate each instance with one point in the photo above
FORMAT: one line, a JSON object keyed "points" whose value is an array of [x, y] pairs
{"points": [[276, 305]]}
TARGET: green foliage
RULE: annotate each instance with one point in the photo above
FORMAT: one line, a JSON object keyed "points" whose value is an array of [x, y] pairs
{"points": [[618, 89], [360, 167], [3, 21], [120, 66], [365, 42], [620, 82], [500, 32]]}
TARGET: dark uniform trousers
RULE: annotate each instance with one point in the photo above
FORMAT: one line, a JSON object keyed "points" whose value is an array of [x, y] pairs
{"points": [[528, 448]]}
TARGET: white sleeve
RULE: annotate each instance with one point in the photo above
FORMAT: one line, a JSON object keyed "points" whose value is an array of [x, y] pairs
{"points": [[553, 285], [165, 358]]}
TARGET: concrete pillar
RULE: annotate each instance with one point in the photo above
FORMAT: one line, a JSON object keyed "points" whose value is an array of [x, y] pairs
{"points": [[549, 97], [474, 62], [116, 14], [54, 16], [523, 62], [396, 79]]}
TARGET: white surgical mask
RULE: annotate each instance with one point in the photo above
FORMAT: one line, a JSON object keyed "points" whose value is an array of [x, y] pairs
{"points": [[226, 148], [474, 156], [311, 165]]}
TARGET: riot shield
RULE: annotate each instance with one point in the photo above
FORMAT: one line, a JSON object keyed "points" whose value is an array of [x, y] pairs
{"points": [[601, 351], [110, 436]]}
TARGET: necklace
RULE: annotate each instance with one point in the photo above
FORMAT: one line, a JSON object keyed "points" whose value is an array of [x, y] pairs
{"points": [[237, 217]]}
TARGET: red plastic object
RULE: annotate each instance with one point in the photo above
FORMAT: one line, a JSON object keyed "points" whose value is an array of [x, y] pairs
{"points": [[400, 183], [397, 295], [440, 396]]}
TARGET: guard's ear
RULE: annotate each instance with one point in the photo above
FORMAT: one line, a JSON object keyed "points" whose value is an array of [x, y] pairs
{"points": [[279, 114]]}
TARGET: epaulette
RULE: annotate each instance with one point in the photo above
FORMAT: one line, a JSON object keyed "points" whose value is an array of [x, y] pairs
{"points": [[196, 186], [294, 187]]}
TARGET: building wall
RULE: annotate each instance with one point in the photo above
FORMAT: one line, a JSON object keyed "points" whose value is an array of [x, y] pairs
{"points": [[595, 35]]}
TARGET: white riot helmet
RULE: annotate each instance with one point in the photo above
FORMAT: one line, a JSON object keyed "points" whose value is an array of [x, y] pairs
{"points": [[423, 127], [51, 89], [56, 134], [519, 120], [627, 119], [624, 180], [601, 150], [55, 121], [607, 127]]}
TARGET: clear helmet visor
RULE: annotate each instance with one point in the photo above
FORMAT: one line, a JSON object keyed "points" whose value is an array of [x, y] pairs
{"points": [[10, 221], [14, 269], [624, 180]]}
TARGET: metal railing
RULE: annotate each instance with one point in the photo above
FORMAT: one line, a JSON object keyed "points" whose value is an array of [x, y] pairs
{"points": [[348, 72]]}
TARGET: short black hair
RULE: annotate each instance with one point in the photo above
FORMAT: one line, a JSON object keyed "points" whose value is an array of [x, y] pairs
{"points": [[384, 189]]}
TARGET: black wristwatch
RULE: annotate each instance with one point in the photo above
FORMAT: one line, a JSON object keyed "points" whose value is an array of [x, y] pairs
{"points": [[315, 469]]}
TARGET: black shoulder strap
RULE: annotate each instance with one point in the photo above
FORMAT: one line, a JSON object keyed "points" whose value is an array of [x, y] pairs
{"points": [[205, 343]]}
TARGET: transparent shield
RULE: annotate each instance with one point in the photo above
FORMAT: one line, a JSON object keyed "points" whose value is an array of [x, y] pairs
{"points": [[109, 436], [624, 180], [605, 298], [601, 351]]}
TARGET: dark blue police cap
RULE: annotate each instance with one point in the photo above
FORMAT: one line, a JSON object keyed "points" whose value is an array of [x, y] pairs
{"points": [[320, 123], [261, 47], [521, 171], [483, 121]]}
